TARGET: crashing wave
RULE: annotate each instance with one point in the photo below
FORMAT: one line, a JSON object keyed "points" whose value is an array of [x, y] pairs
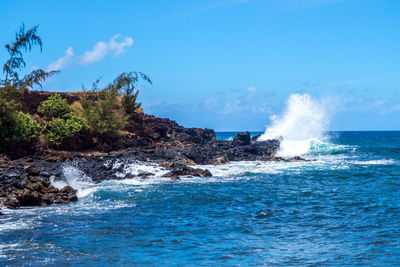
{"points": [[301, 128], [322, 148]]}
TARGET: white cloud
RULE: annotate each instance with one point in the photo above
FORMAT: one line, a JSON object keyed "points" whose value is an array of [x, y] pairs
{"points": [[245, 101], [241, 108], [98, 53], [62, 61], [118, 47], [101, 49], [114, 47]]}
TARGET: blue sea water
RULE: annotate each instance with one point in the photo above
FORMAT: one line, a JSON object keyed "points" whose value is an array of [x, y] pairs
{"points": [[342, 209]]}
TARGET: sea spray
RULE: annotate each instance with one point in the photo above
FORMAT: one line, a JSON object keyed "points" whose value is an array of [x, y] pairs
{"points": [[75, 178], [300, 127]]}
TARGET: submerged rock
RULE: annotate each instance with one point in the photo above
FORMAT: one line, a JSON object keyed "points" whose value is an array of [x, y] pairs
{"points": [[294, 159]]}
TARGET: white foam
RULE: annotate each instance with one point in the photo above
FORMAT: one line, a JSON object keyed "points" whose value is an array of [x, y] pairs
{"points": [[240, 168], [221, 173], [232, 171], [303, 122], [137, 168], [13, 225], [5, 247], [375, 162], [78, 180], [75, 178]]}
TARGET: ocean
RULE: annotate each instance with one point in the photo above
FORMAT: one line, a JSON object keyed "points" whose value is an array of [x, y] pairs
{"points": [[341, 208]]}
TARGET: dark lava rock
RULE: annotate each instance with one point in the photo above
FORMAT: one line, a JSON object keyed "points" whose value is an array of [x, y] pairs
{"points": [[10, 203], [145, 174], [2, 193], [30, 170], [36, 192], [242, 139], [179, 169], [254, 138], [294, 159], [27, 197]]}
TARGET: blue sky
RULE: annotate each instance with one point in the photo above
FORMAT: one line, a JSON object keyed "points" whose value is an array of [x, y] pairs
{"points": [[226, 64]]}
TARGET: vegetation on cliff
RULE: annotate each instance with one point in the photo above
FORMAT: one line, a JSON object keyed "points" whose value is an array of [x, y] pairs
{"points": [[98, 113], [60, 122], [17, 127]]}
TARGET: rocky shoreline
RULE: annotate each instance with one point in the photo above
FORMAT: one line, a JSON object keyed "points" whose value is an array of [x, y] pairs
{"points": [[26, 173], [26, 181]]}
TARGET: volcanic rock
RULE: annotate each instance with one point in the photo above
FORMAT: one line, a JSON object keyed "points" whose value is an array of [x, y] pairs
{"points": [[242, 139], [179, 169]]}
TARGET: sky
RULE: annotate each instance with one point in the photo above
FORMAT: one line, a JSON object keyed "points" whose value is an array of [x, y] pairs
{"points": [[228, 65]]}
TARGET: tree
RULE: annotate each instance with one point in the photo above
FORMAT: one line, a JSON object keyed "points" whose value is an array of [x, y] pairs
{"points": [[16, 126], [24, 41], [125, 84]]}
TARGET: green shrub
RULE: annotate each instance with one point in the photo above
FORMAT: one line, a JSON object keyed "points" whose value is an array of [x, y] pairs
{"points": [[104, 113], [55, 131], [54, 107], [58, 129], [61, 123], [74, 123], [15, 125], [25, 128]]}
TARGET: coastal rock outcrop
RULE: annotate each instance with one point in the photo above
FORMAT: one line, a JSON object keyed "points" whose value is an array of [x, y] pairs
{"points": [[180, 169], [206, 150], [25, 177], [242, 139], [35, 191]]}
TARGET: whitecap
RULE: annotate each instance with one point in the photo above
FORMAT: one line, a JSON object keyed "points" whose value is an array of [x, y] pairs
{"points": [[375, 162]]}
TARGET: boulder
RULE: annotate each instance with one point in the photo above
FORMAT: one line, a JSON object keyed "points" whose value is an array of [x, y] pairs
{"points": [[179, 169], [220, 161], [188, 162], [27, 197], [68, 190], [2, 193], [31, 171], [242, 139], [36, 192], [52, 190], [11, 203]]}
